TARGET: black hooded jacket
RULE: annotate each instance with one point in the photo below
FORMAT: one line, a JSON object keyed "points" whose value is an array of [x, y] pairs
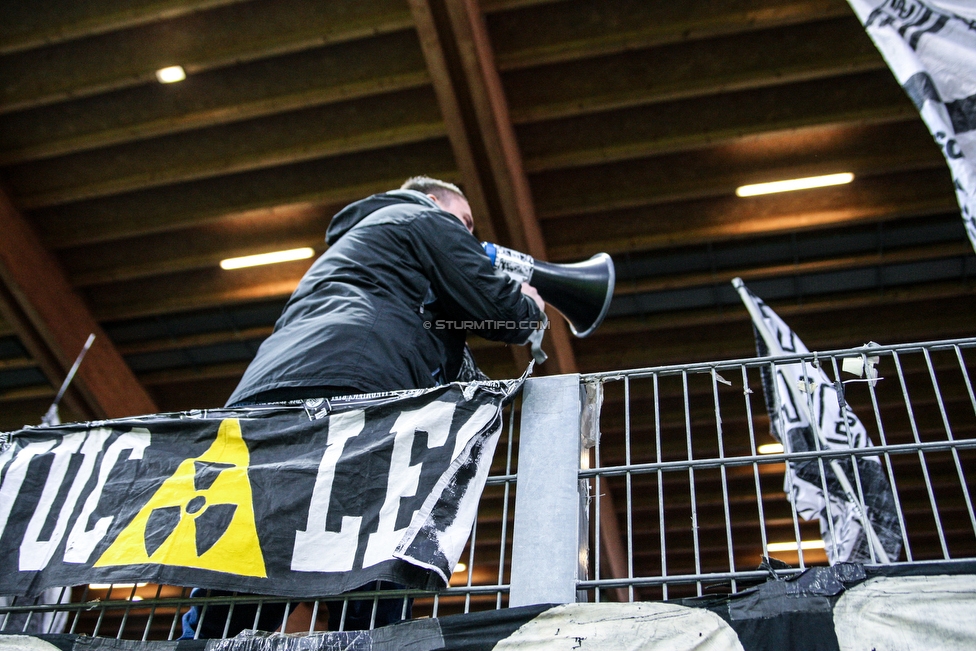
{"points": [[379, 310]]}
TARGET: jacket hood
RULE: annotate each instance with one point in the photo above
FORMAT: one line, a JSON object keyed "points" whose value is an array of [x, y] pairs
{"points": [[354, 213]]}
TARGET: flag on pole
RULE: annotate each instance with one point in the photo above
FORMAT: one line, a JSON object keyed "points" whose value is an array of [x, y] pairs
{"points": [[807, 412], [930, 47]]}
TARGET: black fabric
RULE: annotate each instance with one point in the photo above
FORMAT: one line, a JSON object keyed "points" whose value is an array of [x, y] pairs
{"points": [[377, 310]]}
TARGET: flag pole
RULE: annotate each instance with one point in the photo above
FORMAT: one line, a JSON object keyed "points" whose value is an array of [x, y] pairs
{"points": [[869, 531], [52, 418]]}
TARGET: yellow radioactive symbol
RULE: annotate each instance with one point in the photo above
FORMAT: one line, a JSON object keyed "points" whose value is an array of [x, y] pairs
{"points": [[200, 517]]}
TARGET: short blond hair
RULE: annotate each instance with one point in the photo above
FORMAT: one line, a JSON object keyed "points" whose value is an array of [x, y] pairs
{"points": [[436, 187]]}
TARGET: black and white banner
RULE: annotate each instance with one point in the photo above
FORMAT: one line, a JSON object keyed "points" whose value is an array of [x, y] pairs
{"points": [[806, 414], [299, 499], [930, 47]]}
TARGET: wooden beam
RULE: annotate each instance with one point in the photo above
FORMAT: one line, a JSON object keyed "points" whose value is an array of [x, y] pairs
{"points": [[331, 181], [195, 289], [200, 42], [698, 124], [721, 277], [892, 315], [694, 69], [947, 293], [195, 341], [399, 118], [152, 262], [592, 28], [53, 323], [458, 53], [25, 26], [681, 223], [160, 254], [865, 150], [456, 112], [312, 78]]}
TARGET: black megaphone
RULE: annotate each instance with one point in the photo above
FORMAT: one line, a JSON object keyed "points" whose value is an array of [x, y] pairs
{"points": [[580, 291]]}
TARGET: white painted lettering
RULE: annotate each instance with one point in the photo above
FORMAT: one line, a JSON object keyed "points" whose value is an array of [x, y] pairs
{"points": [[82, 541], [435, 419], [318, 550]]}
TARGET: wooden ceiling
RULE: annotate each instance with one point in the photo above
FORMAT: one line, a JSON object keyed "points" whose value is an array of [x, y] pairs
{"points": [[575, 126]]}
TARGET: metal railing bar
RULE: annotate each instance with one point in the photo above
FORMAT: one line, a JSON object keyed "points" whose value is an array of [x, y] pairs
{"points": [[101, 616], [257, 613], [152, 612], [691, 477], [660, 485], [954, 395], [921, 454], [230, 613], [312, 620], [746, 393], [938, 394], [179, 602], [284, 619], [474, 537], [54, 616], [687, 579], [965, 377], [27, 620], [814, 426], [497, 480], [867, 526], [948, 431], [176, 615], [889, 466], [745, 460], [597, 520], [504, 535], [755, 362], [376, 604], [203, 615], [125, 615], [955, 453], [725, 485], [630, 492]]}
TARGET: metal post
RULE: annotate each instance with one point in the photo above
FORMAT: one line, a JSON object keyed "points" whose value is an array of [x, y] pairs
{"points": [[545, 542]]}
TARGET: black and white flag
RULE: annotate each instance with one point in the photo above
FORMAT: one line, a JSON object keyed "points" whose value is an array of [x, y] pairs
{"points": [[806, 414], [306, 499], [930, 47]]}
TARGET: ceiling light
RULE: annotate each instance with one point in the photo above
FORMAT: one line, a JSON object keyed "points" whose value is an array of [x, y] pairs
{"points": [[791, 546], [771, 448], [171, 74], [267, 258], [794, 184], [460, 567]]}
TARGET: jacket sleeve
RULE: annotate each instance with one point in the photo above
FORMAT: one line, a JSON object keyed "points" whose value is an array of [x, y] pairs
{"points": [[463, 279]]}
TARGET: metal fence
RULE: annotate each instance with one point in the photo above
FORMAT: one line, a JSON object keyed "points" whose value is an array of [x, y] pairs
{"points": [[665, 467], [155, 612], [699, 502]]}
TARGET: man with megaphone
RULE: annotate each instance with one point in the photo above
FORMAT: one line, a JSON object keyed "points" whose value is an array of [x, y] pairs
{"points": [[382, 308], [386, 307]]}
